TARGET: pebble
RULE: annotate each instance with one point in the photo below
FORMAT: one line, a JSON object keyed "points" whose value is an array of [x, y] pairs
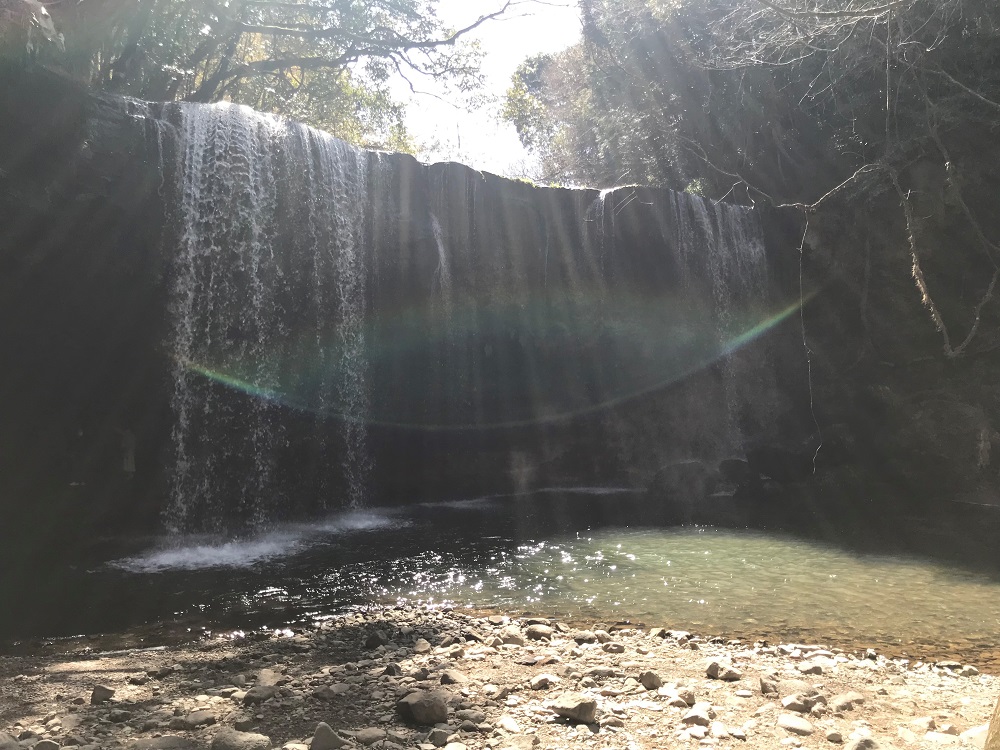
{"points": [[424, 707], [797, 702], [940, 738], [575, 707], [329, 692], [846, 701], [438, 737], [365, 689], [511, 636], [722, 670], [650, 680], [259, 694], [370, 735], [975, 736], [542, 681], [509, 724], [101, 694], [719, 730], [700, 714], [810, 668], [539, 632], [230, 739], [795, 724], [324, 738], [268, 678], [156, 743]]}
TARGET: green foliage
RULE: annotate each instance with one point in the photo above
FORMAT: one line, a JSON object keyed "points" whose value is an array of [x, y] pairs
{"points": [[327, 62], [789, 96]]}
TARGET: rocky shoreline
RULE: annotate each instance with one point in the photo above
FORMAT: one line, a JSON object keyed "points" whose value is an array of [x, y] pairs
{"points": [[395, 679]]}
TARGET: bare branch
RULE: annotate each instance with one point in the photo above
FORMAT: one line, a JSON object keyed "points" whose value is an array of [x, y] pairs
{"points": [[838, 14]]}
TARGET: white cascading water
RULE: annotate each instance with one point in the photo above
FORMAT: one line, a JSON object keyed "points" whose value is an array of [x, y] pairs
{"points": [[718, 242], [238, 311], [729, 237], [442, 277], [726, 240]]}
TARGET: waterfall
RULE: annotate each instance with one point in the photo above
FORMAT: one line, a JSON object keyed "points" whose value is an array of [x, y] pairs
{"points": [[268, 299], [724, 243], [442, 277]]}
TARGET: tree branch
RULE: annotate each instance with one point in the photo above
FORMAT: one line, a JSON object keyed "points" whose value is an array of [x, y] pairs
{"points": [[837, 14]]}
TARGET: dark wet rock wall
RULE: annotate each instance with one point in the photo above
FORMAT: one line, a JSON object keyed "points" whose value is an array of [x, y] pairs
{"points": [[513, 338]]}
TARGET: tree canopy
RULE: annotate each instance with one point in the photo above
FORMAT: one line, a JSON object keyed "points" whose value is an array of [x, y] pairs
{"points": [[872, 105], [787, 96], [327, 62]]}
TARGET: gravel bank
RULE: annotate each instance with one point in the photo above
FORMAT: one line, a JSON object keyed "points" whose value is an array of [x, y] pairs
{"points": [[405, 678]]}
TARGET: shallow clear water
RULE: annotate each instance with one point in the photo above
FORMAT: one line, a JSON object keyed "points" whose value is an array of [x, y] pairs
{"points": [[556, 556]]}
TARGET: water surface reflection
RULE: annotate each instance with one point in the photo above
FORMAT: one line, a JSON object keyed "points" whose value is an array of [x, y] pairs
{"points": [[528, 556]]}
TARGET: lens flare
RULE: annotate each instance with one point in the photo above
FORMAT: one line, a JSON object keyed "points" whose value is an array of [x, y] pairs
{"points": [[653, 348]]}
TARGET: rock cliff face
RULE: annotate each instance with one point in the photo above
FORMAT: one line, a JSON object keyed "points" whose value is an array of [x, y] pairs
{"points": [[217, 320]]}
